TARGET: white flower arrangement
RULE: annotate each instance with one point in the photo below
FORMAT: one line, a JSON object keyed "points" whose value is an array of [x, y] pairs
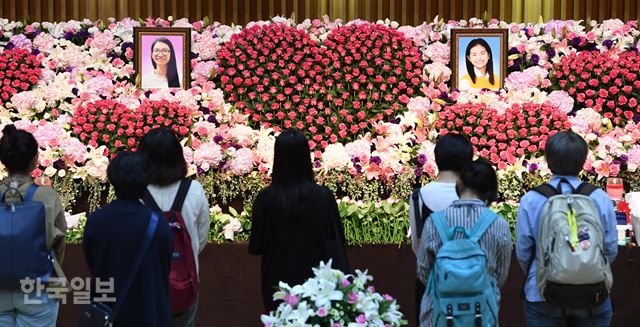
{"points": [[332, 298]]}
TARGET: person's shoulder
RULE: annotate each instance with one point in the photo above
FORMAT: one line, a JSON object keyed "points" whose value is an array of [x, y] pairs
{"points": [[45, 192], [196, 187]]}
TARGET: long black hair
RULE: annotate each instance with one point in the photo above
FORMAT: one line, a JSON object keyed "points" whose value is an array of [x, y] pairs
{"points": [[292, 180], [163, 151], [18, 150], [172, 67], [470, 69]]}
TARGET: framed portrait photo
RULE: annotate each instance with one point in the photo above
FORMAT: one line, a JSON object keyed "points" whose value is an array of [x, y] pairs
{"points": [[162, 57], [479, 58]]}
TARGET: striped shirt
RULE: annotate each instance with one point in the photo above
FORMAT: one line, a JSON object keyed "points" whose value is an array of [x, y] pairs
{"points": [[496, 244]]}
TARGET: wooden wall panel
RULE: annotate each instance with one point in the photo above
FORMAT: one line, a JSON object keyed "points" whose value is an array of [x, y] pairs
{"points": [[406, 12]]}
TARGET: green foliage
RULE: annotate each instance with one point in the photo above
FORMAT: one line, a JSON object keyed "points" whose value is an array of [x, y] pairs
{"points": [[74, 235], [381, 222]]}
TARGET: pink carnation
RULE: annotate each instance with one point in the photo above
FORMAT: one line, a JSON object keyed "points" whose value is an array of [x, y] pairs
{"points": [[204, 70], [419, 105], [44, 42], [360, 149], [206, 46], [99, 84], [24, 101], [586, 121], [633, 160], [48, 135], [438, 52], [73, 149], [21, 41], [103, 41], [208, 155], [530, 77], [561, 100], [437, 72], [242, 162], [25, 125], [188, 155]]}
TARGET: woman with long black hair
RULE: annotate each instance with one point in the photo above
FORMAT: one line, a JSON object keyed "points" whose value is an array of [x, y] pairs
{"points": [[290, 219], [165, 68]]}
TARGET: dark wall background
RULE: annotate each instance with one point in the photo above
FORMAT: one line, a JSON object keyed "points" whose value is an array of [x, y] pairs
{"points": [[406, 12]]}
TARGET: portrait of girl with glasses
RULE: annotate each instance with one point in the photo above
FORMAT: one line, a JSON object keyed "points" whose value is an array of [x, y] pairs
{"points": [[165, 72]]}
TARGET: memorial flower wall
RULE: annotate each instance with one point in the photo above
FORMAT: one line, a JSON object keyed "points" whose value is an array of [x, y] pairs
{"points": [[371, 96]]}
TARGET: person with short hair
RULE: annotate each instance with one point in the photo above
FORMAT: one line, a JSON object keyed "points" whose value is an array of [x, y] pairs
{"points": [[290, 219], [565, 153], [19, 155], [477, 188], [162, 149], [452, 153], [112, 238]]}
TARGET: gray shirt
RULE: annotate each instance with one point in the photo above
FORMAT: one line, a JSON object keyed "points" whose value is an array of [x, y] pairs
{"points": [[496, 243]]}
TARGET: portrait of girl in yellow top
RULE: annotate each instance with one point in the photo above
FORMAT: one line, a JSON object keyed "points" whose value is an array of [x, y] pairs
{"points": [[479, 60]]}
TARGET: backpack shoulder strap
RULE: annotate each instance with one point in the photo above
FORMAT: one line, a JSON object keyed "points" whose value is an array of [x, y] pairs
{"points": [[30, 192], [183, 189], [148, 200], [442, 227], [482, 224], [585, 189], [546, 190], [420, 209]]}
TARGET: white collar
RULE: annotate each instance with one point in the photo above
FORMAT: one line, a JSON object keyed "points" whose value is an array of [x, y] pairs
{"points": [[479, 73]]}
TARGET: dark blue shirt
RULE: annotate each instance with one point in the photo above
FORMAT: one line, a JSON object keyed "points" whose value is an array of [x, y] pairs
{"points": [[112, 238]]}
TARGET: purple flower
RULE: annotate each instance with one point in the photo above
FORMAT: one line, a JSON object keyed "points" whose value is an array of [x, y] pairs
{"points": [[355, 160], [525, 163], [204, 110], [533, 167], [418, 172], [361, 319], [322, 311], [551, 53], [217, 139], [375, 160], [200, 171], [353, 297], [624, 157], [291, 299], [358, 168], [535, 59], [345, 282], [35, 52], [607, 43], [317, 164], [83, 35], [636, 118], [513, 50], [68, 36], [422, 159], [575, 42], [59, 164], [211, 119], [615, 162]]}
